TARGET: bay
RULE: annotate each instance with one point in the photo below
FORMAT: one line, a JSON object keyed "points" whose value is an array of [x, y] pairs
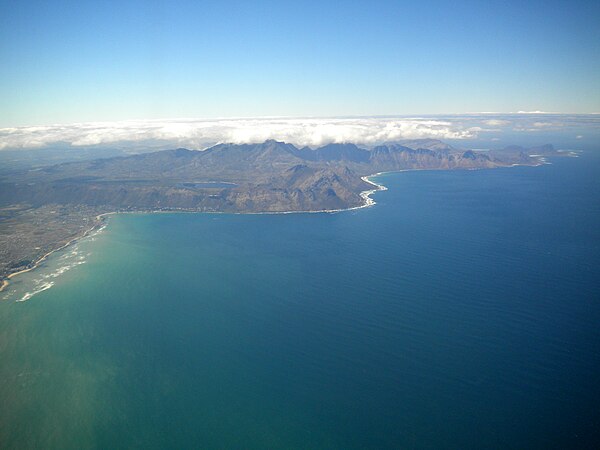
{"points": [[461, 311]]}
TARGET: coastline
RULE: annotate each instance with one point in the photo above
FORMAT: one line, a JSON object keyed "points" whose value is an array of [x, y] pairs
{"points": [[36, 264], [100, 220], [364, 195]]}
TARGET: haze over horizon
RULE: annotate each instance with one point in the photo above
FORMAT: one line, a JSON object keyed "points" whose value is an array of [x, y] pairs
{"points": [[74, 62]]}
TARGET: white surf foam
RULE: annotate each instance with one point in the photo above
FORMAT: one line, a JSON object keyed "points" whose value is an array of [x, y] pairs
{"points": [[43, 287]]}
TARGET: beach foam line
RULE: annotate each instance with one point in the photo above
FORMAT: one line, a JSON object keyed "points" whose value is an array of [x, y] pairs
{"points": [[28, 295], [96, 228], [42, 282], [366, 195]]}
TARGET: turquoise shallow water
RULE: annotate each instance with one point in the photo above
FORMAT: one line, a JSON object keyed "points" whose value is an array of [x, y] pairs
{"points": [[461, 311]]}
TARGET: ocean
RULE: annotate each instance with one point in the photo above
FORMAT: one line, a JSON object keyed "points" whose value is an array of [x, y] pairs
{"points": [[460, 311]]}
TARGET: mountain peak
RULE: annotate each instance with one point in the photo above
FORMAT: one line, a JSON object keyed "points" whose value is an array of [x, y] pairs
{"points": [[427, 144]]}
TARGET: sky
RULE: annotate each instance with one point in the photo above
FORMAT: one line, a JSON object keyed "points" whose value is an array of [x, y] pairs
{"points": [[67, 62]]}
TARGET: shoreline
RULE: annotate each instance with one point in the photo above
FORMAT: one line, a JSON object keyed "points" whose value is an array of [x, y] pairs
{"points": [[364, 195], [100, 220], [36, 264]]}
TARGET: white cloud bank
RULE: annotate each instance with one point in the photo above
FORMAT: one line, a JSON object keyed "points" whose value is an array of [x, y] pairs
{"points": [[141, 135], [497, 122], [199, 133]]}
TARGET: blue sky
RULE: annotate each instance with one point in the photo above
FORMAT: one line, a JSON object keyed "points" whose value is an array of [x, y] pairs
{"points": [[67, 62]]}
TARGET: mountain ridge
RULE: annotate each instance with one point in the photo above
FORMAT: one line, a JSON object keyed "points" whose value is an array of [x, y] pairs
{"points": [[180, 178]]}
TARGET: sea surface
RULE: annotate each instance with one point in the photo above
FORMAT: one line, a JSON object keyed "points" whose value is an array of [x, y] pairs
{"points": [[461, 311]]}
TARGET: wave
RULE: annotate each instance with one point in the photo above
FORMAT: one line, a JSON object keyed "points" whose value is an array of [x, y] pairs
{"points": [[43, 287], [46, 277]]}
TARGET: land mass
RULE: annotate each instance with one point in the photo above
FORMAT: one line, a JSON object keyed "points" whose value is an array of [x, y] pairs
{"points": [[44, 208]]}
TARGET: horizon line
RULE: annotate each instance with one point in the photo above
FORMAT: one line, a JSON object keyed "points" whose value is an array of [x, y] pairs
{"points": [[288, 117]]}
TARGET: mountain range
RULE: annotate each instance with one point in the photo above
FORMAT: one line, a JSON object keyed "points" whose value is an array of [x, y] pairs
{"points": [[267, 177]]}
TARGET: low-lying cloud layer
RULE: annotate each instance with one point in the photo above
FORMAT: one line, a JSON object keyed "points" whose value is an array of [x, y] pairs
{"points": [[200, 133]]}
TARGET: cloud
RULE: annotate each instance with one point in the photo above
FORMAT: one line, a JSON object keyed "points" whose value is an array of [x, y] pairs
{"points": [[497, 122], [545, 124], [536, 126], [143, 135], [533, 112], [199, 133]]}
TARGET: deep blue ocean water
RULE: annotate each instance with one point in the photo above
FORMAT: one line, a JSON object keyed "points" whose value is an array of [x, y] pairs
{"points": [[461, 311]]}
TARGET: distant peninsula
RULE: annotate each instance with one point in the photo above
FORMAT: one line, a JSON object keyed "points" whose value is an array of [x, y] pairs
{"points": [[45, 208]]}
